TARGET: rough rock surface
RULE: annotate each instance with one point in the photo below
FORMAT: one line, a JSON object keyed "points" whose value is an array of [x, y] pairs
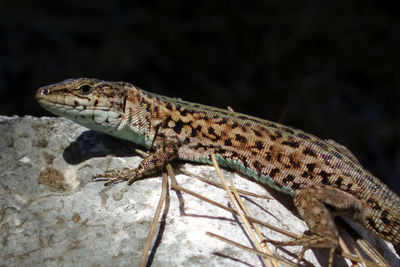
{"points": [[53, 215]]}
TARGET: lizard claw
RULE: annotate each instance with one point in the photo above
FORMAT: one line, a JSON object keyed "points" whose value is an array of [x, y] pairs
{"points": [[279, 244], [112, 176], [307, 241]]}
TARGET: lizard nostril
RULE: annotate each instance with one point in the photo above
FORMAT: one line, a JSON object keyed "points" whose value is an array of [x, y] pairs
{"points": [[44, 91]]}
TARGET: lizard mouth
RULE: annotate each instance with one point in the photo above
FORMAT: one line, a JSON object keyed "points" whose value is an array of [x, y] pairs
{"points": [[40, 94], [48, 102], [78, 109], [57, 101]]}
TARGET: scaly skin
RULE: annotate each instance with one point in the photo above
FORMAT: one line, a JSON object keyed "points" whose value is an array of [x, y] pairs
{"points": [[316, 172]]}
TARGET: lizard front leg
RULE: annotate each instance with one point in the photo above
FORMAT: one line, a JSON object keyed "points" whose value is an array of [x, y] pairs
{"points": [[316, 205], [150, 164]]}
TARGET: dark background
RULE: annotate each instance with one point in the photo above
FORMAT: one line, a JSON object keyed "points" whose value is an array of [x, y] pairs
{"points": [[328, 67]]}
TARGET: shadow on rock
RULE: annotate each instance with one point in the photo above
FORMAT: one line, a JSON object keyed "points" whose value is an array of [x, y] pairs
{"points": [[92, 144]]}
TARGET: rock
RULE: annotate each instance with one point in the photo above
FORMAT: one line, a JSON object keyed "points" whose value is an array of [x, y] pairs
{"points": [[52, 214]]}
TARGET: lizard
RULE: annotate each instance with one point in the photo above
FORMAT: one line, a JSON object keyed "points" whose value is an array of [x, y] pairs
{"points": [[324, 178]]}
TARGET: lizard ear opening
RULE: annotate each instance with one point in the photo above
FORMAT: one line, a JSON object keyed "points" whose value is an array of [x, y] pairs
{"points": [[85, 89]]}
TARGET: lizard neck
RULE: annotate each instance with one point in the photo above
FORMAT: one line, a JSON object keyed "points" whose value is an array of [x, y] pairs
{"points": [[136, 123]]}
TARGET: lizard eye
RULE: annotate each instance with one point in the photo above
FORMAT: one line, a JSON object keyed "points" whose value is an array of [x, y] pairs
{"points": [[85, 89]]}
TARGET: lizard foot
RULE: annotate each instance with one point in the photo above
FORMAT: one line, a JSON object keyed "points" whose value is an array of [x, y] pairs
{"points": [[149, 165], [112, 176], [307, 242]]}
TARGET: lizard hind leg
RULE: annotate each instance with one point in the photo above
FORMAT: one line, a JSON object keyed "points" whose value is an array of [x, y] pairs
{"points": [[315, 204]]}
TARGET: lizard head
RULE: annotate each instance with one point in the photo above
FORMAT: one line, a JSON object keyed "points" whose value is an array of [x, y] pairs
{"points": [[96, 104]]}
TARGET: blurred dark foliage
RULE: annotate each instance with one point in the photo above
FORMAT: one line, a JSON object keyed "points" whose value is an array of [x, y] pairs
{"points": [[328, 67]]}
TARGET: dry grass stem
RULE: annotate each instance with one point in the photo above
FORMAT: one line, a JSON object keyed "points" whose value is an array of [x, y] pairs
{"points": [[141, 152], [175, 182], [153, 227], [343, 246], [255, 227], [214, 183], [254, 238], [223, 239], [362, 263], [230, 109], [372, 253], [251, 219]]}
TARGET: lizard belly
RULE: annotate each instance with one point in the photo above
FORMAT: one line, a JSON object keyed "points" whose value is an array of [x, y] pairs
{"points": [[195, 156]]}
